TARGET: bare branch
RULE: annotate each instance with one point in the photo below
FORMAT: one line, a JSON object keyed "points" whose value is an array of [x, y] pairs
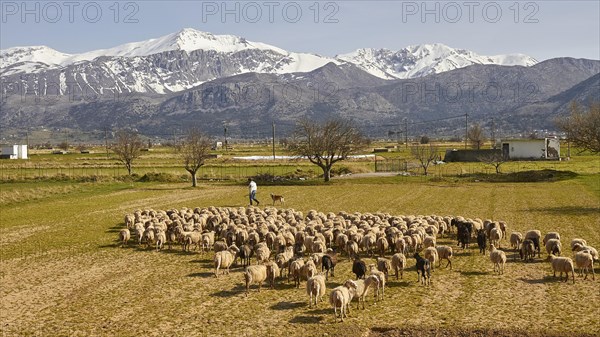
{"points": [[127, 147]]}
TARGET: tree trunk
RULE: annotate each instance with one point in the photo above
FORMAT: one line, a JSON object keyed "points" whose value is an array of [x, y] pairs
{"points": [[326, 173], [194, 180], [128, 168]]}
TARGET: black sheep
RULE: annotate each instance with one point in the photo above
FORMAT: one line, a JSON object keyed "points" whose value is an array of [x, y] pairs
{"points": [[423, 268], [359, 268], [481, 240], [328, 263]]}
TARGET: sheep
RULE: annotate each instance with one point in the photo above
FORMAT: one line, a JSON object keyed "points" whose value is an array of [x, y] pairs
{"points": [[124, 236], [481, 241], [381, 276], [429, 241], [400, 245], [315, 286], [582, 242], [262, 253], [495, 236], [328, 263], [581, 248], [382, 246], [527, 250], [498, 258], [308, 270], [139, 232], [553, 246], [148, 236], [246, 253], [534, 235], [161, 238], [362, 288], [220, 246], [444, 252], [272, 273], [550, 235], [352, 249], [340, 297], [430, 253], [423, 270], [295, 271], [359, 268], [225, 258], [515, 240], [191, 238], [585, 261], [255, 274], [398, 264], [384, 266], [562, 264]]}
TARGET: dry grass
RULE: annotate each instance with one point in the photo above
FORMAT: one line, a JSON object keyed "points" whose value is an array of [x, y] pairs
{"points": [[63, 275]]}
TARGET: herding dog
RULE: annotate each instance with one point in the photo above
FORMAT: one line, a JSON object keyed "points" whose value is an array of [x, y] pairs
{"points": [[279, 198]]}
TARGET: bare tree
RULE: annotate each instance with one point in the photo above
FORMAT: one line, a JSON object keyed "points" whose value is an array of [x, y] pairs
{"points": [[425, 154], [194, 151], [127, 147], [496, 159], [476, 136], [326, 143], [583, 127]]}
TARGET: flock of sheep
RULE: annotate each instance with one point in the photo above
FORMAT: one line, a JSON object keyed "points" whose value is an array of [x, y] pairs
{"points": [[283, 240]]}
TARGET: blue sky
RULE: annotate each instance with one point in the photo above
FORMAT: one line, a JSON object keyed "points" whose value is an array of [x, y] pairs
{"points": [[541, 29]]}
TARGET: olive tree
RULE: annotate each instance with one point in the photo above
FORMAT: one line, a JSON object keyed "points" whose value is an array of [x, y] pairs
{"points": [[425, 155], [583, 127], [326, 143], [194, 150], [127, 146]]}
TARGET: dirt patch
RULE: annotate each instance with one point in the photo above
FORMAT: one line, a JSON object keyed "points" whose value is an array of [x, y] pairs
{"points": [[452, 332]]}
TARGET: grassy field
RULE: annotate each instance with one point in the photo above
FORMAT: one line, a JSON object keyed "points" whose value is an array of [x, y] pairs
{"points": [[62, 274]]}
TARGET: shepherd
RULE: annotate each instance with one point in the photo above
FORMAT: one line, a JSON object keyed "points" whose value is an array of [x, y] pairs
{"points": [[252, 189]]}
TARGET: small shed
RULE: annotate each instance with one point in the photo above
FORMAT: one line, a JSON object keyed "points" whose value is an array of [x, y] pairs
{"points": [[545, 148], [14, 152]]}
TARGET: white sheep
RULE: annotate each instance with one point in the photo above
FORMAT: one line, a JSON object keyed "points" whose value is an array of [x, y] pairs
{"points": [[585, 261], [225, 258], [340, 297], [495, 236], [161, 238], [431, 254], [582, 248], [429, 241], [398, 264], [255, 274], [498, 258], [124, 236], [272, 273], [515, 240], [295, 271], [381, 276], [534, 235], [262, 253], [444, 252], [384, 266], [550, 235], [553, 246], [362, 288], [574, 242], [315, 286], [563, 264]]}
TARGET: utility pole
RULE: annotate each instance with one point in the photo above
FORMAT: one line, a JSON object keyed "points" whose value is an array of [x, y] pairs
{"points": [[406, 133], [493, 134], [27, 137], [466, 130], [225, 134], [273, 140]]}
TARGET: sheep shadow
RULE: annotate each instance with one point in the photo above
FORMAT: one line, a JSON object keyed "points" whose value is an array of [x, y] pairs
{"points": [[288, 305], [398, 284], [543, 280], [206, 262], [306, 319], [474, 273], [229, 293], [320, 311], [115, 229], [202, 274]]}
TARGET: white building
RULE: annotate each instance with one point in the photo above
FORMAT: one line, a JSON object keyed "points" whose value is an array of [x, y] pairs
{"points": [[14, 152], [546, 148]]}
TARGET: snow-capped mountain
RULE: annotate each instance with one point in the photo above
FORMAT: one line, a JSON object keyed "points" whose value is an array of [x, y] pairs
{"points": [[188, 58], [426, 59]]}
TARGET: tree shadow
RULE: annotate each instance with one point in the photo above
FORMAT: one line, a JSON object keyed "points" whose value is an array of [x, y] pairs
{"points": [[288, 305], [306, 319], [565, 210]]}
